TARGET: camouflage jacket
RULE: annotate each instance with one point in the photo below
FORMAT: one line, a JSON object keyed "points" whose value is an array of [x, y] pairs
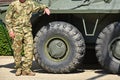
{"points": [[20, 13]]}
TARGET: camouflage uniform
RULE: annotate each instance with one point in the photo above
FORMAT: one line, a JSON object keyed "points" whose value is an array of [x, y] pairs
{"points": [[18, 20]]}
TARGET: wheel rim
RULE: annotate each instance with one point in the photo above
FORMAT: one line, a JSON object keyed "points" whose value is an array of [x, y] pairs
{"points": [[56, 48], [115, 48]]}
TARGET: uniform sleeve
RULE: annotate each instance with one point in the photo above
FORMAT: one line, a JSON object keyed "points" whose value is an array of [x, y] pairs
{"points": [[8, 18], [38, 6]]}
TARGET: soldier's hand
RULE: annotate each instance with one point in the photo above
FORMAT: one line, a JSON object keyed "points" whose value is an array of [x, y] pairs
{"points": [[11, 34], [47, 11]]}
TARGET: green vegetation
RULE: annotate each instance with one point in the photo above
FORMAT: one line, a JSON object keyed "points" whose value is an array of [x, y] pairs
{"points": [[5, 41]]}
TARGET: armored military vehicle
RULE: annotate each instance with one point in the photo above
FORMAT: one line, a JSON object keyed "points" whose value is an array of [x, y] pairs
{"points": [[61, 39]]}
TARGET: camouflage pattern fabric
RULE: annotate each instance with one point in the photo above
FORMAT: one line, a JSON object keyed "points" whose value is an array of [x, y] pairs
{"points": [[18, 20]]}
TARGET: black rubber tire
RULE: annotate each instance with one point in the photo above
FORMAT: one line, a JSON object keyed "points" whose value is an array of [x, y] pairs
{"points": [[103, 52], [74, 39]]}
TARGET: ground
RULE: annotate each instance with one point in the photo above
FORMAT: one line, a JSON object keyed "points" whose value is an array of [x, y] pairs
{"points": [[89, 72]]}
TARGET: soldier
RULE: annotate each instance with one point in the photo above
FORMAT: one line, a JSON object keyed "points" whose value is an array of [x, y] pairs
{"points": [[19, 27]]}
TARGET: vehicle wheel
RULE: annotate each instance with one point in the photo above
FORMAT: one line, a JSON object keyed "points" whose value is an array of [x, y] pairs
{"points": [[108, 48], [59, 47]]}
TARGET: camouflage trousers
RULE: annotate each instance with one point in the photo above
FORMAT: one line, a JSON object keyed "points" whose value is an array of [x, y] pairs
{"points": [[23, 42]]}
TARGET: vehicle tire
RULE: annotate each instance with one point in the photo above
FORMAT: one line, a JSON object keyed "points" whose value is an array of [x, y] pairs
{"points": [[108, 48], [59, 47]]}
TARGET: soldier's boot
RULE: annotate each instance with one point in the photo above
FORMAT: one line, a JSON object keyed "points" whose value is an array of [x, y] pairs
{"points": [[18, 72], [28, 72]]}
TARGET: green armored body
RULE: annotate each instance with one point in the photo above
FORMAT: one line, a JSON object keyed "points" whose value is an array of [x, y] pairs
{"points": [[20, 29]]}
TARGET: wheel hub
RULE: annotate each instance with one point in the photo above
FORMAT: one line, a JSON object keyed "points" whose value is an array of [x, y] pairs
{"points": [[57, 49], [116, 49]]}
